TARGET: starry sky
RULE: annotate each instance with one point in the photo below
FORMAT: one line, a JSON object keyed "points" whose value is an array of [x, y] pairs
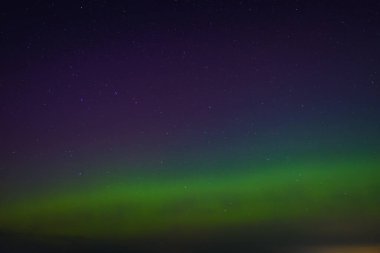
{"points": [[195, 126]]}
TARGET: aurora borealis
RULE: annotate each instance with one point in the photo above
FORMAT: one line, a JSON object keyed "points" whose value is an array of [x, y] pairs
{"points": [[135, 207], [190, 126]]}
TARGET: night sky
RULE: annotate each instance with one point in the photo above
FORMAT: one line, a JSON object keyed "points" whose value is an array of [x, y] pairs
{"points": [[190, 126]]}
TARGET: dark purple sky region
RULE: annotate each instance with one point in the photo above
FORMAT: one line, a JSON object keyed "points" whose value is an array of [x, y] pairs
{"points": [[98, 72]]}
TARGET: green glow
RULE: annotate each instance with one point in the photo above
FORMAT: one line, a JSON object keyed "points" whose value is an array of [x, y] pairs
{"points": [[302, 194]]}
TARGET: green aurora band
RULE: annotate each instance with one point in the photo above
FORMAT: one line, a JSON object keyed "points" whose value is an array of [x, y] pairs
{"points": [[334, 196]]}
